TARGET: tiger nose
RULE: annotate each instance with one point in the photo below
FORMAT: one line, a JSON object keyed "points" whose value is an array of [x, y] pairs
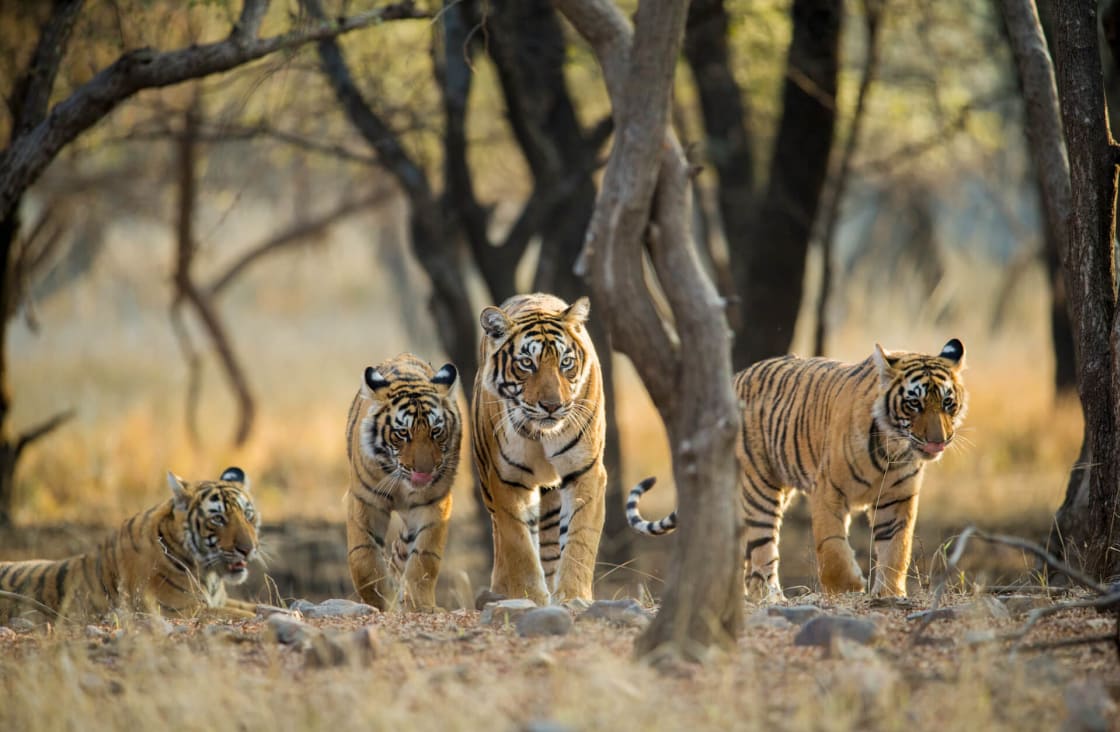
{"points": [[243, 545], [548, 405]]}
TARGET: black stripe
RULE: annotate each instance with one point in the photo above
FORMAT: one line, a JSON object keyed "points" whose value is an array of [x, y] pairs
{"points": [[577, 473], [888, 504], [60, 579], [907, 477], [570, 445], [752, 545]]}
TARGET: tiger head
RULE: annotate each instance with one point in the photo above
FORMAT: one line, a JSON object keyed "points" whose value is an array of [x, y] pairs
{"points": [[923, 399], [538, 361], [220, 522], [411, 428]]}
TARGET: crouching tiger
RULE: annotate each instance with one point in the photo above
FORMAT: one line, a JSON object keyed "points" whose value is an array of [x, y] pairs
{"points": [[854, 437], [538, 432], [175, 558], [403, 438]]}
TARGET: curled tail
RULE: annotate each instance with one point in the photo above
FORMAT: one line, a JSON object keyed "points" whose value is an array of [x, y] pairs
{"points": [[650, 528]]}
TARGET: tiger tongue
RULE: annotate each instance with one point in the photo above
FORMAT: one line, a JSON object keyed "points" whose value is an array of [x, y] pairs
{"points": [[419, 478]]}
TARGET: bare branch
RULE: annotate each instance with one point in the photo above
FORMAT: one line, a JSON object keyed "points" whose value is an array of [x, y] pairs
{"points": [[32, 95], [43, 429], [30, 153], [295, 235]]}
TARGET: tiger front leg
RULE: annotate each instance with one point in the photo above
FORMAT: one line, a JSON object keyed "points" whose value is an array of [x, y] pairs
{"points": [[514, 513], [425, 539], [836, 562], [367, 521], [893, 527], [582, 511]]}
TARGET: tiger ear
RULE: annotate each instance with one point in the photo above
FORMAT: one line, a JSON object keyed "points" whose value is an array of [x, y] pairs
{"points": [[953, 352], [495, 323], [886, 362], [234, 474], [179, 497], [373, 381], [445, 377], [578, 311]]}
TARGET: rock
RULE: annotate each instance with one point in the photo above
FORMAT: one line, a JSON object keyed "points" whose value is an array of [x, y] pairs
{"points": [[627, 613], [1089, 708], [796, 614], [336, 608], [763, 619], [288, 631], [95, 633], [1019, 605], [6, 633], [821, 630], [505, 611], [21, 625], [544, 621], [987, 607], [545, 725], [979, 637], [485, 597], [576, 605]]}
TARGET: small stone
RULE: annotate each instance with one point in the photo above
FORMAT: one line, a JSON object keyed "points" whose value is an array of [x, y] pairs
{"points": [[821, 630], [336, 608], [485, 597], [21, 625], [1019, 605], [540, 659], [6, 633], [288, 631], [505, 611], [301, 606], [95, 633], [763, 619], [627, 613], [544, 621], [987, 608], [796, 614], [576, 605], [979, 637], [1089, 708], [94, 684], [545, 725]]}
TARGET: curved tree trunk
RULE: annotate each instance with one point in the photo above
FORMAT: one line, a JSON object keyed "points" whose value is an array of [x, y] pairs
{"points": [[685, 363]]}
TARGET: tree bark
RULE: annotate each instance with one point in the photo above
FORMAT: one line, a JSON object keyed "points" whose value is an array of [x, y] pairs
{"points": [[1089, 521], [685, 363], [769, 271]]}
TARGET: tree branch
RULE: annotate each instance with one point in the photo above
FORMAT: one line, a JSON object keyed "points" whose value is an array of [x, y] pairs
{"points": [[32, 95], [30, 153], [42, 429], [293, 236]]}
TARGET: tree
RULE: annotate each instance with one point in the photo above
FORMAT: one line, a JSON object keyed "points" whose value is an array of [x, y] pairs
{"points": [[38, 135], [1084, 200], [683, 359], [768, 231]]}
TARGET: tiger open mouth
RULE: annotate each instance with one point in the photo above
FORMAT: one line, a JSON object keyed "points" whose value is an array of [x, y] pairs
{"points": [[237, 566]]}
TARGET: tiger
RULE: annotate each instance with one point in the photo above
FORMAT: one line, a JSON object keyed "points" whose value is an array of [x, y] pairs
{"points": [[538, 431], [173, 559], [403, 440], [853, 437]]}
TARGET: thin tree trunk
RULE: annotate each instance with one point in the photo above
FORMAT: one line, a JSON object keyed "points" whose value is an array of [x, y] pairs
{"points": [[769, 269], [1090, 282]]}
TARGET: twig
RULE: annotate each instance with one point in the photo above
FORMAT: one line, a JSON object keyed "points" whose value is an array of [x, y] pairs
{"points": [[43, 429]]}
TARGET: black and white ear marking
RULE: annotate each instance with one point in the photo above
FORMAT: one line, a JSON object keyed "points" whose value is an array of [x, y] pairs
{"points": [[178, 491], [446, 375], [233, 474], [578, 311], [495, 323], [374, 379], [953, 352]]}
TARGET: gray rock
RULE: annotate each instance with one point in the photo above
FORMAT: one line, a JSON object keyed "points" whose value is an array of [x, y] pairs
{"points": [[330, 649], [288, 631], [821, 630], [763, 619], [545, 725], [987, 607], [505, 611], [796, 614], [627, 613], [93, 632], [485, 597], [6, 633], [335, 608], [21, 625], [544, 621], [1089, 708], [1019, 605]]}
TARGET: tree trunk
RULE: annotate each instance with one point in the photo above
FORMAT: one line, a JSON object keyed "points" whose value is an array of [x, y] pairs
{"points": [[1090, 283], [769, 270], [685, 363]]}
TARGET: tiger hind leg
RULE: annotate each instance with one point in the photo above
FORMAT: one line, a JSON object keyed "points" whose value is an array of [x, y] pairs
{"points": [[763, 507]]}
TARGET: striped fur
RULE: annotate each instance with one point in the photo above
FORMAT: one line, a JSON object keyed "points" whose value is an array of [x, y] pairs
{"points": [[854, 437], [538, 432], [174, 558], [403, 438]]}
